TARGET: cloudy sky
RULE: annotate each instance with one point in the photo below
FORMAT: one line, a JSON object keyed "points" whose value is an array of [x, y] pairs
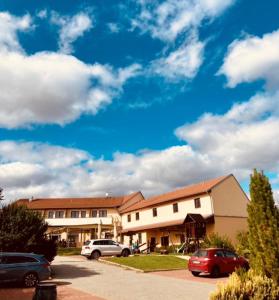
{"points": [[120, 96]]}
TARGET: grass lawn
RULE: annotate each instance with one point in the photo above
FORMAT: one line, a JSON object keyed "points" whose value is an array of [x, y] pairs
{"points": [[68, 251], [151, 262]]}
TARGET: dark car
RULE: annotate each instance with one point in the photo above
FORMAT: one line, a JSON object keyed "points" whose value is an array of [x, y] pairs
{"points": [[26, 268], [216, 261]]}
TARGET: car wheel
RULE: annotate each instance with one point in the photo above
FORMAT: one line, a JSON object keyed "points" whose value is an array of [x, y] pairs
{"points": [[96, 255], [125, 253], [30, 280], [195, 273], [215, 272]]}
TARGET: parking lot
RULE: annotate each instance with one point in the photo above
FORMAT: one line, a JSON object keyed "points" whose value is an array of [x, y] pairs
{"points": [[78, 278]]}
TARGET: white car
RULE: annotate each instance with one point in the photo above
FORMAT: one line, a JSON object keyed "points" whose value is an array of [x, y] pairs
{"points": [[93, 249]]}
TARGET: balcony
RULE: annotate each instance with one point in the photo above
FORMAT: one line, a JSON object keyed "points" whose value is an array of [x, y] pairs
{"points": [[78, 221]]}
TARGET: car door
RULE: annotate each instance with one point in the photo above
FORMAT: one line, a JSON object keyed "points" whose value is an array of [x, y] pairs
{"points": [[220, 261], [231, 261], [11, 269], [114, 248]]}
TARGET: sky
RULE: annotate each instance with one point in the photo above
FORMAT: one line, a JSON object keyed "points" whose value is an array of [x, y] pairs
{"points": [[118, 96]]}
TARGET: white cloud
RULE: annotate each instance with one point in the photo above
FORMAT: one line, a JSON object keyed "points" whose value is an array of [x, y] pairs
{"points": [[49, 87], [42, 14], [236, 142], [9, 27], [242, 139], [71, 28], [113, 27], [166, 20], [253, 58], [182, 63]]}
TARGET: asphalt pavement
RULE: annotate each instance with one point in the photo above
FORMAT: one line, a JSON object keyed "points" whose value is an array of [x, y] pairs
{"points": [[115, 283]]}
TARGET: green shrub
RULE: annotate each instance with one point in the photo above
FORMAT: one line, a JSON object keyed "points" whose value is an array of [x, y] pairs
{"points": [[242, 247], [215, 240], [246, 285]]}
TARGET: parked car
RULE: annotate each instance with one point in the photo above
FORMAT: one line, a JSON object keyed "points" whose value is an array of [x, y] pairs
{"points": [[26, 268], [104, 247], [216, 261]]}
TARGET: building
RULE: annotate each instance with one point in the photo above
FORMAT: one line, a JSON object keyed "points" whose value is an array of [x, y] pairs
{"points": [[187, 214]]}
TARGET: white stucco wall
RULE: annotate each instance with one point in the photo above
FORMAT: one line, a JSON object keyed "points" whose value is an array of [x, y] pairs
{"points": [[165, 212]]}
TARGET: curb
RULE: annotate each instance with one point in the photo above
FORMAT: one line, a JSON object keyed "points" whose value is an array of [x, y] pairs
{"points": [[135, 269]]}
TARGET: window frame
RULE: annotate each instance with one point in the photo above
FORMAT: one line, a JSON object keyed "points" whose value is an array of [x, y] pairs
{"points": [[50, 214], [129, 218], [101, 215], [154, 212], [83, 214], [175, 207], [197, 202], [73, 213], [58, 214], [137, 216], [94, 213]]}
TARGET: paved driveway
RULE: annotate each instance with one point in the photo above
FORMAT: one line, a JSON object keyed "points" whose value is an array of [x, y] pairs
{"points": [[111, 282]]}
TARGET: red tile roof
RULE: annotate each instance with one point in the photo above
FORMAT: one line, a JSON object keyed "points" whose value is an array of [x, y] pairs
{"points": [[188, 191], [55, 203]]}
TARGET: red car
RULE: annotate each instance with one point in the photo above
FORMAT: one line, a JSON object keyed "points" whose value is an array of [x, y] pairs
{"points": [[216, 261]]}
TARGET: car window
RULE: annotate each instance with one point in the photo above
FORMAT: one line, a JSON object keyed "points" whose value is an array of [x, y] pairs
{"points": [[97, 243], [86, 243], [105, 242], [201, 253], [219, 253], [110, 242], [230, 254], [19, 259]]}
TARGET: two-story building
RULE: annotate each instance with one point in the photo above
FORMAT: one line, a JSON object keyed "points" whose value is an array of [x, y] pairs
{"points": [[217, 205]]}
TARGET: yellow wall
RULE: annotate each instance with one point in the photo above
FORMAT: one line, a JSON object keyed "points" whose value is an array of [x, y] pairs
{"points": [[230, 226], [229, 199]]}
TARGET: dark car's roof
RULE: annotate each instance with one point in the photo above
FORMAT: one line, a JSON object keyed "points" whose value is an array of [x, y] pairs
{"points": [[20, 254]]}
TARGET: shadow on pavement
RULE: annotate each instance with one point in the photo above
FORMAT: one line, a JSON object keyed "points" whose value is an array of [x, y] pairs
{"points": [[62, 271]]}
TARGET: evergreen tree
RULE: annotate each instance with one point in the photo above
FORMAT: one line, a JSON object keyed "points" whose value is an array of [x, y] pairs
{"points": [[22, 230], [263, 221]]}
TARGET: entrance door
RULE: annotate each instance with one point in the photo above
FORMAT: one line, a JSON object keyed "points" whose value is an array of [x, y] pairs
{"points": [[152, 244]]}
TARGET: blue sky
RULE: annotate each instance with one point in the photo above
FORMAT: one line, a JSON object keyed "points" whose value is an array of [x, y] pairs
{"points": [[118, 96]]}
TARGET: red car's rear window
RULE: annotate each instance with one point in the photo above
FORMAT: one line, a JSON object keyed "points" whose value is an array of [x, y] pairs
{"points": [[201, 253]]}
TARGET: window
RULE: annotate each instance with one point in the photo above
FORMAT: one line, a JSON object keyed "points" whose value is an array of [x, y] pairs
{"points": [[83, 214], [154, 210], [59, 214], [140, 237], [102, 213], [19, 259], [94, 213], [197, 202], [164, 241], [51, 214], [230, 254], [175, 207], [74, 214], [129, 218], [137, 216], [219, 253]]}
